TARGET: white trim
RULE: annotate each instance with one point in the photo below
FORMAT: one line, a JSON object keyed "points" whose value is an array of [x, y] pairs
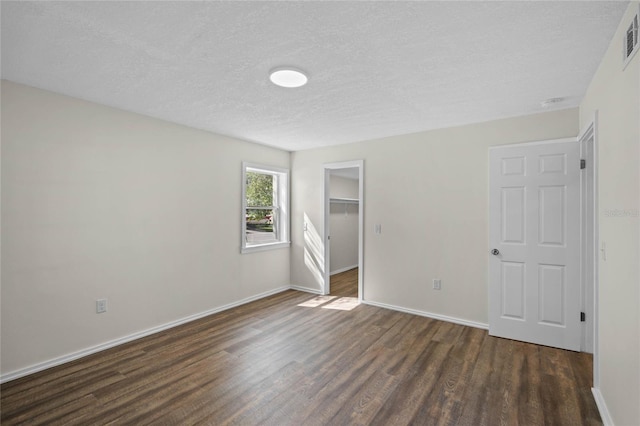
{"points": [[265, 247], [125, 339], [262, 168], [602, 407], [596, 243], [359, 164], [588, 127], [305, 289], [345, 269], [563, 140], [588, 232], [344, 200], [440, 317], [592, 128], [326, 285]]}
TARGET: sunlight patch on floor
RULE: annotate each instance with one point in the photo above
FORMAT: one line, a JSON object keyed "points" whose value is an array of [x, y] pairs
{"points": [[343, 304], [317, 301], [328, 302]]}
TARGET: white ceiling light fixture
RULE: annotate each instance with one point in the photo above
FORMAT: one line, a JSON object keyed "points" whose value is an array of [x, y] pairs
{"points": [[288, 77]]}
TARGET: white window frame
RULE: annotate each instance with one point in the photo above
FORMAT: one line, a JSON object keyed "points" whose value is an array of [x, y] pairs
{"points": [[281, 223]]}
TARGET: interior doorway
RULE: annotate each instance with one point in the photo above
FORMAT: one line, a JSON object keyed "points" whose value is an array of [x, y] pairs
{"points": [[343, 224]]}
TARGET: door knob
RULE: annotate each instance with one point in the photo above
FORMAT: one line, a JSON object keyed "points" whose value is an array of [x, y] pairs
{"points": [[495, 252]]}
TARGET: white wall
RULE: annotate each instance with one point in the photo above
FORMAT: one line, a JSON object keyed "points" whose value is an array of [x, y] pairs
{"points": [[614, 93], [344, 224], [429, 191], [102, 203]]}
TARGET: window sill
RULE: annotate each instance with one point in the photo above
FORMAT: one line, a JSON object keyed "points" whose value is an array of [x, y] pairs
{"points": [[264, 247]]}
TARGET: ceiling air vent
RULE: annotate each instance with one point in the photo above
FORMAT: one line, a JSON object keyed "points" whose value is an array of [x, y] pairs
{"points": [[630, 42]]}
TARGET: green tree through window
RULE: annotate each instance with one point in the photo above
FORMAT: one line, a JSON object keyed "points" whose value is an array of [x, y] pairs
{"points": [[259, 189], [260, 193]]}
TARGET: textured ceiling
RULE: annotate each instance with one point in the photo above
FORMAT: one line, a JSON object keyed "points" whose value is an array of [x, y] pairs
{"points": [[376, 68]]}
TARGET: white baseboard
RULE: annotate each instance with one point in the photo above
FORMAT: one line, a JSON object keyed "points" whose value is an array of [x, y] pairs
{"points": [[602, 407], [348, 268], [429, 315], [110, 344], [305, 289]]}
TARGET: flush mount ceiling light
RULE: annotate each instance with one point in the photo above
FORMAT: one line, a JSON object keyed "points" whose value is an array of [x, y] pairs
{"points": [[551, 101], [288, 77]]}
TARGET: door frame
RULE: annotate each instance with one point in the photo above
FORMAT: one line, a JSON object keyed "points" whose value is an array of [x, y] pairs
{"points": [[328, 167], [590, 252]]}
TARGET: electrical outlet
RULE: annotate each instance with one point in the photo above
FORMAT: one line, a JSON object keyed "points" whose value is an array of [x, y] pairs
{"points": [[437, 284], [101, 306]]}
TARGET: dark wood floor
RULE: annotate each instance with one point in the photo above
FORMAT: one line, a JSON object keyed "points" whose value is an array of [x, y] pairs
{"points": [[345, 284], [272, 362]]}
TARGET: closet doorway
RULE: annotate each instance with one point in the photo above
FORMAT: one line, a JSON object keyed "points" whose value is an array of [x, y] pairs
{"points": [[343, 224]]}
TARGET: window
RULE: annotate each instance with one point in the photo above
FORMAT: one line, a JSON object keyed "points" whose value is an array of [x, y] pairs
{"points": [[265, 207]]}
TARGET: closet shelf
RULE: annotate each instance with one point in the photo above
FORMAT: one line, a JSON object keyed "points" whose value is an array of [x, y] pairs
{"points": [[345, 200]]}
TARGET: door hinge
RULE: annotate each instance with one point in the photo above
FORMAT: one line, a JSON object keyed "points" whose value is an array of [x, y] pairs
{"points": [[583, 317], [583, 164]]}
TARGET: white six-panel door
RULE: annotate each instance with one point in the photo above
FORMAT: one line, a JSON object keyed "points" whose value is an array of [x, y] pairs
{"points": [[534, 235]]}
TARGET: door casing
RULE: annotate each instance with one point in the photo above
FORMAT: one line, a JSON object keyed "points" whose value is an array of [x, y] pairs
{"points": [[590, 258], [328, 167]]}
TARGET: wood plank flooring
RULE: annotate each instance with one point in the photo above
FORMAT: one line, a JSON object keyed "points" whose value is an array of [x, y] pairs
{"points": [[272, 362], [345, 284]]}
